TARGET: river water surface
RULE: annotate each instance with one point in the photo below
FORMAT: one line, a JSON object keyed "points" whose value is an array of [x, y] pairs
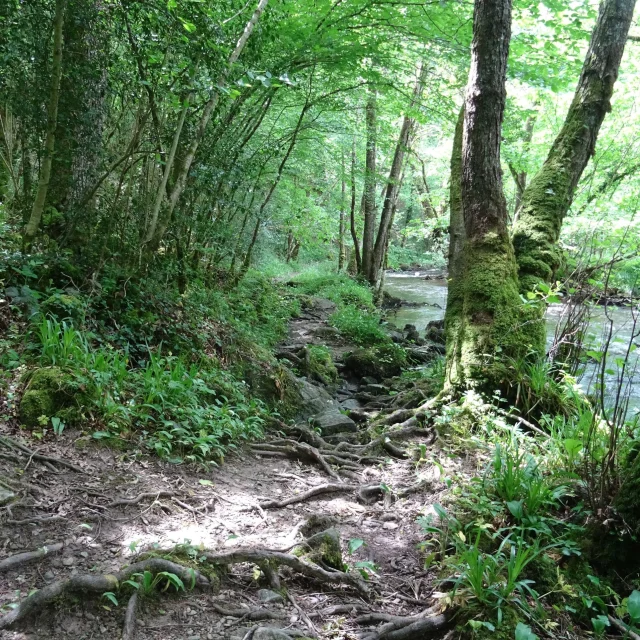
{"points": [[432, 296]]}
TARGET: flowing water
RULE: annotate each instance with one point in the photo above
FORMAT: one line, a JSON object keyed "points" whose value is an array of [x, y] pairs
{"points": [[429, 289]]}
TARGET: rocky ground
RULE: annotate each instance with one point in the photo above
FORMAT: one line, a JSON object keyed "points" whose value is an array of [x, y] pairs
{"points": [[88, 511]]}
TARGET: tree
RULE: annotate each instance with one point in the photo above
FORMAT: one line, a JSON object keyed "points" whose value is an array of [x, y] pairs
{"points": [[31, 228], [550, 193], [485, 313]]}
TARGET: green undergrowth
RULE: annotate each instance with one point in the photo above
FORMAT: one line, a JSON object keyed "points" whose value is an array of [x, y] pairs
{"points": [[136, 363], [355, 316], [513, 540]]}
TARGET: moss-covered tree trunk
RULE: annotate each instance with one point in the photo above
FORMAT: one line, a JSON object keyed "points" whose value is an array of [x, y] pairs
{"points": [[455, 295], [548, 196], [486, 309]]}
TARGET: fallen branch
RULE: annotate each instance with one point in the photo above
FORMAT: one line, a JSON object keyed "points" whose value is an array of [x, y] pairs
{"points": [[98, 584], [29, 556]]}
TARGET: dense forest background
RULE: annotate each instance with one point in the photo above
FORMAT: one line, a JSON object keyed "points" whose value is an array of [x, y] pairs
{"points": [[183, 181]]}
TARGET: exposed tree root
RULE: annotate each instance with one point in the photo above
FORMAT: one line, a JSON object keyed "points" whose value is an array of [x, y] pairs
{"points": [[139, 498], [37, 520], [298, 450], [14, 444], [272, 633], [312, 493], [254, 615], [98, 584], [404, 627], [30, 556], [276, 558], [623, 628], [129, 629]]}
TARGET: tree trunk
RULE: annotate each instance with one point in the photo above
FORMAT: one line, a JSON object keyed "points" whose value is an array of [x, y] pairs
{"points": [[190, 153], [392, 186], [489, 316], [369, 195], [549, 195], [352, 217], [455, 290], [520, 177], [343, 204], [82, 111], [33, 224]]}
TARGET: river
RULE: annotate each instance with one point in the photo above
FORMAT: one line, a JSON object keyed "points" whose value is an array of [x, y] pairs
{"points": [[432, 296]]}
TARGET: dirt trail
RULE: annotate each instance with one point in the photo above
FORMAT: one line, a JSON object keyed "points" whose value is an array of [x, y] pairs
{"points": [[116, 504]]}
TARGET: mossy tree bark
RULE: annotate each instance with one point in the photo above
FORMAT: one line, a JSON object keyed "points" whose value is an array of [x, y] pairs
{"points": [[455, 295], [548, 197], [486, 307]]}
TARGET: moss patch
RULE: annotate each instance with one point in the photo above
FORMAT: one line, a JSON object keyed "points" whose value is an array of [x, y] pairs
{"points": [[380, 362], [50, 392]]}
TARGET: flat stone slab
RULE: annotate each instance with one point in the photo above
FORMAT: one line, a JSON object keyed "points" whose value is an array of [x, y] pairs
{"points": [[332, 421], [315, 399]]}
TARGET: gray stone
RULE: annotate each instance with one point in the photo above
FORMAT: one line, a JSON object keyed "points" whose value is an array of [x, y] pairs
{"points": [[390, 526], [369, 380], [314, 399], [271, 633], [68, 561], [332, 421], [422, 355], [6, 496], [375, 389], [48, 576], [267, 595], [395, 336], [350, 403], [324, 304]]}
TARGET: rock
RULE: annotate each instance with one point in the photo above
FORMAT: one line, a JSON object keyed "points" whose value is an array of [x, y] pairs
{"points": [[390, 526], [424, 354], [395, 336], [411, 333], [6, 496], [435, 331], [358, 416], [332, 421], [384, 361], [369, 380], [375, 389], [322, 304], [350, 404], [50, 392], [325, 546], [314, 399], [271, 633], [267, 596], [68, 561], [48, 576]]}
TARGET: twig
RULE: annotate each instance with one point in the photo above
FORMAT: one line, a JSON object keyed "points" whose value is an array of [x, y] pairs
{"points": [[621, 626], [303, 615]]}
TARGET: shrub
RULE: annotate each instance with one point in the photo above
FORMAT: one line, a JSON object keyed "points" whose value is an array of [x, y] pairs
{"points": [[360, 327]]}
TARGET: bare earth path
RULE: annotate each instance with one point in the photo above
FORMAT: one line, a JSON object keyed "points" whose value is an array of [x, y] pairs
{"points": [[97, 517]]}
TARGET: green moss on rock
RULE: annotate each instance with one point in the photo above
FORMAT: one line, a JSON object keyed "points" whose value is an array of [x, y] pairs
{"points": [[49, 392], [384, 361]]}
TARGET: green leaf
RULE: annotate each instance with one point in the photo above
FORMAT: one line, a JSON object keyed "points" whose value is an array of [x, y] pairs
{"points": [[206, 483], [523, 632], [355, 544], [516, 508], [633, 605]]}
